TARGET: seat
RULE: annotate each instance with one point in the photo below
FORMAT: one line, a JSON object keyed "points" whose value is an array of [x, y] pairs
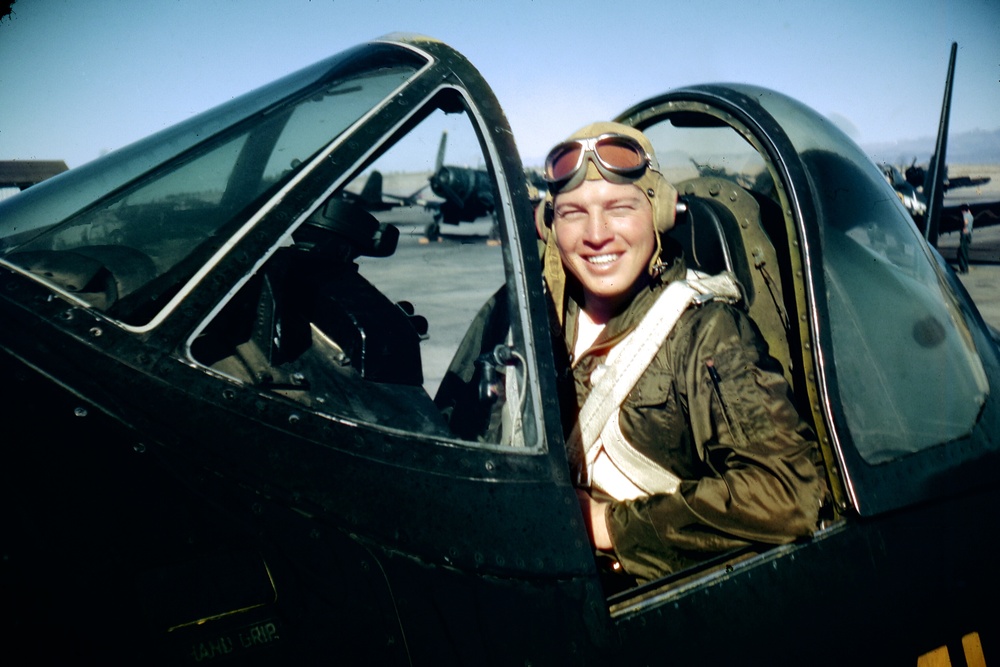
{"points": [[711, 240], [722, 230]]}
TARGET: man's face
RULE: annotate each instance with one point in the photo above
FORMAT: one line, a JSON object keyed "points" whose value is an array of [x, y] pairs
{"points": [[604, 232]]}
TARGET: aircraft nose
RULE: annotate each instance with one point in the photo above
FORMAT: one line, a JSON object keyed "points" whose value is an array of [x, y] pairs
{"points": [[443, 177]]}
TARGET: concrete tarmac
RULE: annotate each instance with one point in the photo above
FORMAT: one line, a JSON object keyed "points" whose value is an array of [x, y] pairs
{"points": [[983, 279], [983, 284]]}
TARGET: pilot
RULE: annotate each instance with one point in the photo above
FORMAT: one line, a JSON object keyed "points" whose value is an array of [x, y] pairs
{"points": [[965, 238], [689, 448]]}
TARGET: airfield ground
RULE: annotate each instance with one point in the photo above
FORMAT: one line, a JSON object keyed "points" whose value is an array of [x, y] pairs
{"points": [[983, 279], [983, 284]]}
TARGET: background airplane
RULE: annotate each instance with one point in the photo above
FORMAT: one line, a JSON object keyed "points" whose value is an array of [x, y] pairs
{"points": [[985, 211], [922, 189], [909, 184], [466, 194]]}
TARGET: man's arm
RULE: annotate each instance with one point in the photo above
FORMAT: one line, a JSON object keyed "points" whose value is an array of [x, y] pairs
{"points": [[758, 480]]}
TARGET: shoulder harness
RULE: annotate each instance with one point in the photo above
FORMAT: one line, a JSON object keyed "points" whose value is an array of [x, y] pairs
{"points": [[605, 459]]}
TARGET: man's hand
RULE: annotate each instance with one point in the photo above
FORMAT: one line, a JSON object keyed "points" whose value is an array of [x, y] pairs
{"points": [[594, 515]]}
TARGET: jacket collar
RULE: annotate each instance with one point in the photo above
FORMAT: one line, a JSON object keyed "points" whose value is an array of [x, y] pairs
{"points": [[623, 322]]}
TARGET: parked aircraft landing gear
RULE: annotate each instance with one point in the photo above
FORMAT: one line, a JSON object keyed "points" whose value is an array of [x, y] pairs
{"points": [[432, 232]]}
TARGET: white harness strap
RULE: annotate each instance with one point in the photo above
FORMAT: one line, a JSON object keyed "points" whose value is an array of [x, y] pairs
{"points": [[609, 461]]}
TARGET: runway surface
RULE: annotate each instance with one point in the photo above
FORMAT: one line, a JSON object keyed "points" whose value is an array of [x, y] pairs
{"points": [[983, 279]]}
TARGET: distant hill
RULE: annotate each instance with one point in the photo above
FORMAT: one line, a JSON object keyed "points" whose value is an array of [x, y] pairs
{"points": [[976, 147]]}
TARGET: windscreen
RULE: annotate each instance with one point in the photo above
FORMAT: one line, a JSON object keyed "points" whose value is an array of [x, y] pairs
{"points": [[140, 243], [908, 373], [390, 305]]}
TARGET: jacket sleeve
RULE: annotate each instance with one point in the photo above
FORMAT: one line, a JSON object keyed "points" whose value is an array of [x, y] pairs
{"points": [[754, 478]]}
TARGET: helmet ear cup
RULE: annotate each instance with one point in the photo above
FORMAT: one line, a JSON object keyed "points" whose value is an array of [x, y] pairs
{"points": [[663, 196], [544, 213]]}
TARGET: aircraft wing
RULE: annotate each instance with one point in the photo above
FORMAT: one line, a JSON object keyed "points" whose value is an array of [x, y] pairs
{"points": [[966, 181], [984, 214]]}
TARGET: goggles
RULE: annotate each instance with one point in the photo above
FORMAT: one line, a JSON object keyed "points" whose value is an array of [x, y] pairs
{"points": [[619, 158]]}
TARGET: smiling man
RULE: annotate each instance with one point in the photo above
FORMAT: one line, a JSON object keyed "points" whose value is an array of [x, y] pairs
{"points": [[605, 239], [685, 443]]}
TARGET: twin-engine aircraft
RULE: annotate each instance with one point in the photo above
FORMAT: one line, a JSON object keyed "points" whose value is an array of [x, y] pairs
{"points": [[243, 424]]}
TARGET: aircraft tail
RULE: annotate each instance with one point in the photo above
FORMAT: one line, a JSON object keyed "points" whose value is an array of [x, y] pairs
{"points": [[936, 172], [440, 156], [372, 192]]}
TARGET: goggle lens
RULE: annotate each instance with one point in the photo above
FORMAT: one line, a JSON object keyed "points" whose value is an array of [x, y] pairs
{"points": [[562, 162]]}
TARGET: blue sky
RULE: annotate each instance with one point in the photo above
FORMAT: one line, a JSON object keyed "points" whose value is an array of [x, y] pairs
{"points": [[80, 77]]}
